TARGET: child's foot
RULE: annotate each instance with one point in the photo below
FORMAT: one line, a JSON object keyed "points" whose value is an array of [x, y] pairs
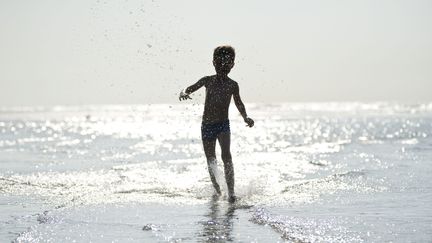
{"points": [[216, 196], [232, 199]]}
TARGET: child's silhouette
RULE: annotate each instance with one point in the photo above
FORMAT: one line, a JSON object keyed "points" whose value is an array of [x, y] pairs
{"points": [[215, 124]]}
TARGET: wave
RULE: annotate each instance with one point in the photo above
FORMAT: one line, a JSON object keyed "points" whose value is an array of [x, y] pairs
{"points": [[298, 229]]}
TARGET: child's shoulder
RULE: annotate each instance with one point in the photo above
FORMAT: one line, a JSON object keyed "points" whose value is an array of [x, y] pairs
{"points": [[208, 78], [233, 83]]}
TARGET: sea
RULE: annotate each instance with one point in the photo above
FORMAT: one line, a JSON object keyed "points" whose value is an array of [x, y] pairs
{"points": [[306, 172]]}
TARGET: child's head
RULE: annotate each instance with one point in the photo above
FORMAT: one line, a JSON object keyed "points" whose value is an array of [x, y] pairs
{"points": [[223, 59]]}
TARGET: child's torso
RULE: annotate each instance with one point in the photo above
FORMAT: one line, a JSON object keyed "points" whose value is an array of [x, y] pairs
{"points": [[217, 100]]}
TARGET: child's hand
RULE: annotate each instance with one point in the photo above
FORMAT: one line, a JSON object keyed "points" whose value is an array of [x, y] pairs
{"points": [[184, 96], [249, 121]]}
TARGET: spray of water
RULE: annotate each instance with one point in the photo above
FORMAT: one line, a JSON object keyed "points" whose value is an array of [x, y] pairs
{"points": [[217, 171]]}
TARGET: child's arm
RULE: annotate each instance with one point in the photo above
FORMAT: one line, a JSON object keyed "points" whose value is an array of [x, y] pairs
{"points": [[240, 106], [184, 94]]}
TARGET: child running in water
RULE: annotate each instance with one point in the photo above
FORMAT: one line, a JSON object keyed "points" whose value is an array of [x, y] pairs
{"points": [[215, 124]]}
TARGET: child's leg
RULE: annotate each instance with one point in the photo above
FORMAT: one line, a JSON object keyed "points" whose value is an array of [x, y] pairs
{"points": [[209, 150], [224, 142]]}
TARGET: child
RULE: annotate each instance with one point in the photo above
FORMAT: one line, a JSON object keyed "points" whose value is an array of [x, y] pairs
{"points": [[215, 124]]}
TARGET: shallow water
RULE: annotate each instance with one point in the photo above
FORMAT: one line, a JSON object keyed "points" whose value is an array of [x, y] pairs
{"points": [[315, 172]]}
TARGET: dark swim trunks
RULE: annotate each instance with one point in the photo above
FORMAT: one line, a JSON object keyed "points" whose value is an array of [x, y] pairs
{"points": [[211, 131]]}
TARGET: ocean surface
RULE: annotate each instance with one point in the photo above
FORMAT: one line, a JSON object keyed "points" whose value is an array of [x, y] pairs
{"points": [[312, 172]]}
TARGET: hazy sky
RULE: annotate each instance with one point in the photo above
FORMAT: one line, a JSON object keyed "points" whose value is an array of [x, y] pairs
{"points": [[109, 52]]}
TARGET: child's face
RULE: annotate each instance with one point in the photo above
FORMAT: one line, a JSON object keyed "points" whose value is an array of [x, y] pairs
{"points": [[223, 64]]}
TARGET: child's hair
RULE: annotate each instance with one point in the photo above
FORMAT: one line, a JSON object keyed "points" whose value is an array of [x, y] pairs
{"points": [[224, 52]]}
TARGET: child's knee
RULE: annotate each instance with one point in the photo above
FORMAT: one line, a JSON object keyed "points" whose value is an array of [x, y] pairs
{"points": [[226, 156]]}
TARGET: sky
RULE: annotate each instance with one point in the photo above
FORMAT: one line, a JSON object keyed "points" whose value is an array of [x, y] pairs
{"points": [[137, 52]]}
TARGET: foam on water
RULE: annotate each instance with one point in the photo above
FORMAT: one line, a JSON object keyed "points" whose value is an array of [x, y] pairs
{"points": [[297, 229], [312, 172]]}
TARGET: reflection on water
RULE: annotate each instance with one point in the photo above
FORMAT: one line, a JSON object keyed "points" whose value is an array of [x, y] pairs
{"points": [[318, 171], [218, 225]]}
